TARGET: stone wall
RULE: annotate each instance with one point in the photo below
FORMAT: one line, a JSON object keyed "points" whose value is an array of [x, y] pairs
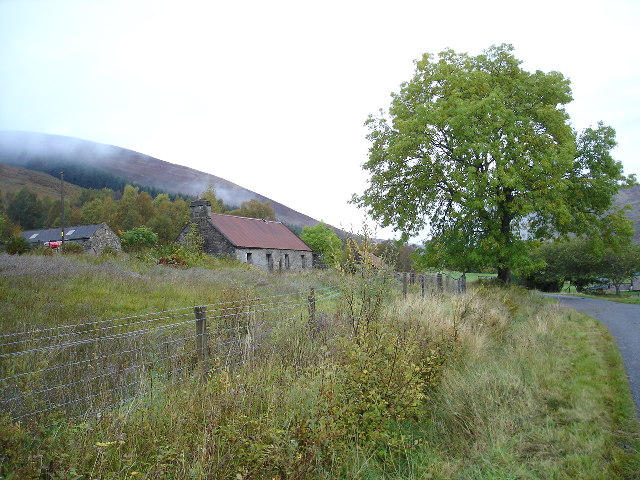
{"points": [[102, 238], [274, 259], [214, 242]]}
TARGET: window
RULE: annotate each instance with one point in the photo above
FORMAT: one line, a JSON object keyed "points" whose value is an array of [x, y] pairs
{"points": [[70, 232], [287, 266], [304, 261], [33, 236], [269, 261], [249, 259]]}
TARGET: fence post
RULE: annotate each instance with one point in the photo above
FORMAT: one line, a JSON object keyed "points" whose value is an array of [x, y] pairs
{"points": [[404, 285], [312, 309], [423, 284], [463, 283], [439, 278], [202, 338]]}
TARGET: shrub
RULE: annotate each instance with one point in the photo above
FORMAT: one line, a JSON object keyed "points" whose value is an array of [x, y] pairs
{"points": [[138, 239], [17, 245], [72, 248], [174, 255], [42, 250], [108, 252]]}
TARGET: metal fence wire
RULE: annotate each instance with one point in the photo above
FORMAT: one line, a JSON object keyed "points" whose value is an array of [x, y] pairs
{"points": [[71, 370], [68, 371]]}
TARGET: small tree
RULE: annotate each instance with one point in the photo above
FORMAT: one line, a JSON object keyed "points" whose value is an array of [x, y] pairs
{"points": [[255, 209], [193, 241], [619, 265], [574, 261], [25, 209], [138, 239], [323, 240], [217, 206]]}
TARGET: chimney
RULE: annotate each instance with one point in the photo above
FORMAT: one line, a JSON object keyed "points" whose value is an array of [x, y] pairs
{"points": [[200, 210]]}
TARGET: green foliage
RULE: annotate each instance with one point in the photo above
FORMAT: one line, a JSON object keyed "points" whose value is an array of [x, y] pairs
{"points": [[255, 209], [25, 209], [171, 255], [121, 212], [323, 241], [581, 262], [193, 241], [17, 245], [7, 230], [367, 284], [72, 248], [127, 215], [217, 205], [176, 255], [618, 265], [482, 152], [186, 254], [138, 239]]}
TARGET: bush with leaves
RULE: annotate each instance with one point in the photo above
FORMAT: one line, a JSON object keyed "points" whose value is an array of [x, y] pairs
{"points": [[138, 239], [185, 254], [17, 245], [323, 241]]}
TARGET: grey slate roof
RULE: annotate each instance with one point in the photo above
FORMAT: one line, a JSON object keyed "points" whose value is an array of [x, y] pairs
{"points": [[78, 232]]}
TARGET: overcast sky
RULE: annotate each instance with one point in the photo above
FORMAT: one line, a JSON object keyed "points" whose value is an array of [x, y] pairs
{"points": [[273, 95]]}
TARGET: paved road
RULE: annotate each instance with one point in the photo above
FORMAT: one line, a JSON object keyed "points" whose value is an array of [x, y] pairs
{"points": [[623, 321]]}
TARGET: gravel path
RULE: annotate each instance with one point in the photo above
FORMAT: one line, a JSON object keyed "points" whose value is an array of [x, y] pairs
{"points": [[623, 321]]}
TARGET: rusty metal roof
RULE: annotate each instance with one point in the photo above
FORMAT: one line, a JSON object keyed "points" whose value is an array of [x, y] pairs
{"points": [[246, 232]]}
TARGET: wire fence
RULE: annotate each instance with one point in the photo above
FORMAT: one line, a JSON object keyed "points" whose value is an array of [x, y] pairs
{"points": [[431, 284], [71, 370], [68, 371]]}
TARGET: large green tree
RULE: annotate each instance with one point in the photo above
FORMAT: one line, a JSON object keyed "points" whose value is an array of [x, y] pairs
{"points": [[482, 153]]}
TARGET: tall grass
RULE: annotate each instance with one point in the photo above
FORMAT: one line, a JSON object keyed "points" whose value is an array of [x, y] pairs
{"points": [[535, 392], [491, 384]]}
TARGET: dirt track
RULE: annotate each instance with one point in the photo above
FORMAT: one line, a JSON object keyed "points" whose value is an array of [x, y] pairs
{"points": [[623, 321]]}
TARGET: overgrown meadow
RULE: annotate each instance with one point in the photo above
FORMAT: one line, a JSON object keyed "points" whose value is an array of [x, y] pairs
{"points": [[495, 383]]}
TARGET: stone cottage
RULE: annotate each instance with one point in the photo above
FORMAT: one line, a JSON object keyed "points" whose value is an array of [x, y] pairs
{"points": [[265, 244], [93, 238]]}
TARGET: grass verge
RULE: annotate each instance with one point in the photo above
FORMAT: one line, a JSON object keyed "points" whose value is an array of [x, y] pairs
{"points": [[496, 384]]}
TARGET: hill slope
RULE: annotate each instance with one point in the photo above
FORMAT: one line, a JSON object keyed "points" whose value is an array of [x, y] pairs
{"points": [[631, 196], [43, 151], [14, 178]]}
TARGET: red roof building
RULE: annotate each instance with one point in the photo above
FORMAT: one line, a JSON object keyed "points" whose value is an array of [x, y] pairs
{"points": [[263, 243]]}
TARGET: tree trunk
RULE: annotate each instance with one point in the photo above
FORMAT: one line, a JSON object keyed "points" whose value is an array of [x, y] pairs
{"points": [[504, 275]]}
